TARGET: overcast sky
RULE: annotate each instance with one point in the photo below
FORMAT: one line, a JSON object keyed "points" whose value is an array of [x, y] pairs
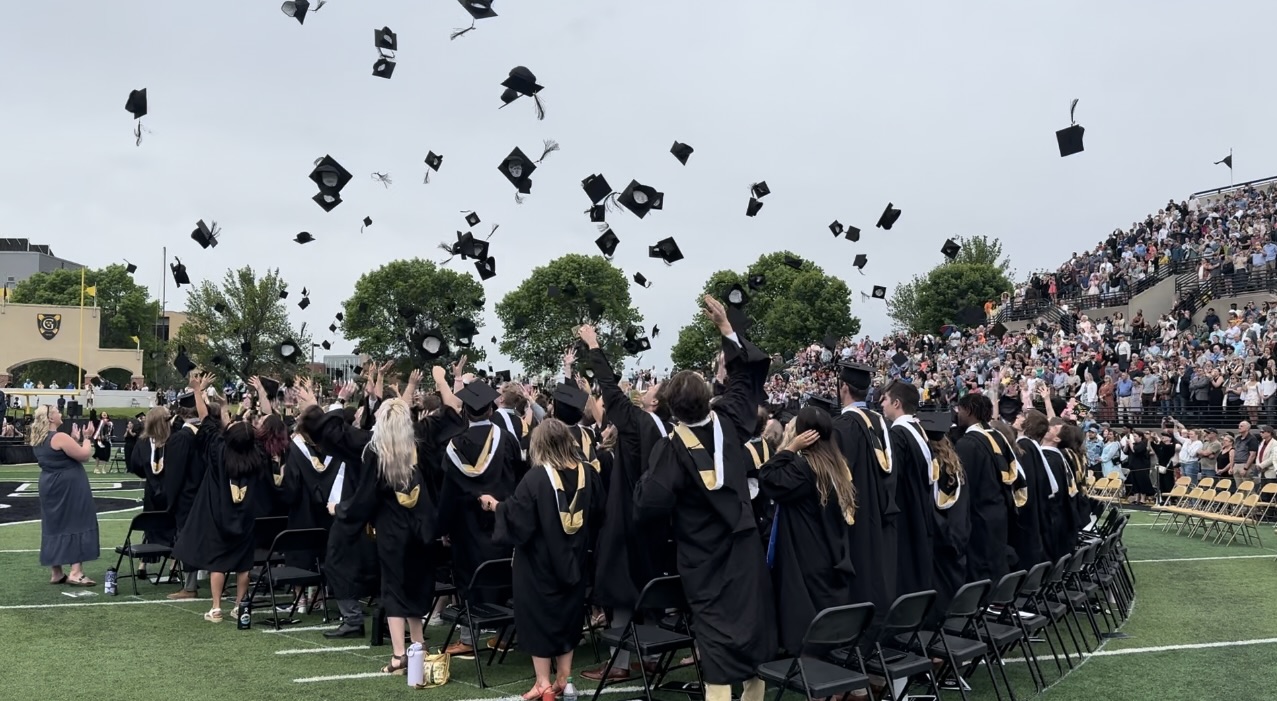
{"points": [[946, 109]]}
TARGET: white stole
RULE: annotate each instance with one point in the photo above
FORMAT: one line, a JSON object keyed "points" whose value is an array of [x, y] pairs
{"points": [[297, 441], [718, 446], [505, 415], [1055, 486], [492, 452]]}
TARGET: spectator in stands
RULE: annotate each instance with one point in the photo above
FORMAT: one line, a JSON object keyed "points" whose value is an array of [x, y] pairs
{"points": [[1190, 447], [1208, 454]]}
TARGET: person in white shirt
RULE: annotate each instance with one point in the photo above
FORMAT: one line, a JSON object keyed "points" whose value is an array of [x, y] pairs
{"points": [[1266, 460], [1189, 447]]}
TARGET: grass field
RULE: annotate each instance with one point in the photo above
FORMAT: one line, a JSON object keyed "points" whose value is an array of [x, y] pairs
{"points": [[1204, 626]]}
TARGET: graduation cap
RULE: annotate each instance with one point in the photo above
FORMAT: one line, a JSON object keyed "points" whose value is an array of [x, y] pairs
{"points": [[856, 375], [367, 223], [136, 104], [681, 151], [607, 243], [518, 169], [836, 228], [998, 330], [478, 396], [936, 424], [330, 176], [1069, 138], [179, 272], [501, 376], [596, 188], [794, 262], [385, 39], [760, 189], [736, 296], [667, 250], [283, 293], [305, 302], [520, 322], [888, 218], [407, 313], [828, 404], [656, 331], [129, 268], [756, 282], [640, 199], [246, 348], [464, 329], [270, 386], [430, 343], [753, 207], [971, 316], [433, 161], [487, 268], [522, 82], [384, 67], [634, 346], [478, 9], [1009, 408], [186, 400], [598, 214], [341, 317], [304, 238], [182, 362], [472, 218], [569, 290], [900, 359], [205, 235], [852, 234], [288, 351], [327, 202], [570, 395], [297, 9], [950, 249], [332, 328], [860, 261], [219, 307], [641, 281], [879, 292]]}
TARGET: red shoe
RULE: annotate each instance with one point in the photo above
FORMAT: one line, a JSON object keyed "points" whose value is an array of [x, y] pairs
{"points": [[537, 692]]}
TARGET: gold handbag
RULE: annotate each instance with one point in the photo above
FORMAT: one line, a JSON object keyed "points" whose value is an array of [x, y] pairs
{"points": [[438, 668]]}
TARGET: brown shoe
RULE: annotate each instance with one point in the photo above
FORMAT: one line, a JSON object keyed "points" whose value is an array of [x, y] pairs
{"points": [[492, 645], [616, 674], [182, 594], [648, 666], [459, 648]]}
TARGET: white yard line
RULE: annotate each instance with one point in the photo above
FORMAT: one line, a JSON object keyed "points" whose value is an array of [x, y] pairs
{"points": [[120, 511], [18, 552], [1200, 559], [314, 650], [130, 602], [291, 629], [1169, 648]]}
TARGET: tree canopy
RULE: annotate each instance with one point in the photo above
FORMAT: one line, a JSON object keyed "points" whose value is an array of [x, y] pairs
{"points": [[792, 309], [978, 274], [403, 295], [591, 289], [243, 339]]}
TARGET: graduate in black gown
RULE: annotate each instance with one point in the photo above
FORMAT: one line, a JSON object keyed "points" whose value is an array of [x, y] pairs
{"points": [[810, 556], [235, 492], [984, 465], [482, 459], [628, 555], [147, 462], [184, 470], [760, 451], [511, 407], [1032, 518], [698, 476], [951, 510], [550, 521], [915, 525], [1065, 516], [272, 434], [863, 437]]}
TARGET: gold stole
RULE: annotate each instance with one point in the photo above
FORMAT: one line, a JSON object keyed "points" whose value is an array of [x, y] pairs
{"points": [[277, 476], [573, 517], [1010, 474], [238, 493], [587, 449], [408, 499], [879, 449], [699, 454], [157, 466], [483, 454], [759, 459]]}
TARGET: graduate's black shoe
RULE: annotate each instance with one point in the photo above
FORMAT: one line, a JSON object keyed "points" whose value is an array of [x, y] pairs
{"points": [[345, 631]]}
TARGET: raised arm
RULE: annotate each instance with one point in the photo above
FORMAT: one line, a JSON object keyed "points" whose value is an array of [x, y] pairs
{"points": [[620, 410], [746, 371]]}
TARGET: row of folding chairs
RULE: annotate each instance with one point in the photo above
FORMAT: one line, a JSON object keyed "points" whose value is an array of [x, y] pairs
{"points": [[1215, 510]]}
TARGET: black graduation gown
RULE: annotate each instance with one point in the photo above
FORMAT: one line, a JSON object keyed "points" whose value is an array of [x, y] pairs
{"points": [[988, 549], [153, 499], [953, 536], [811, 567], [350, 560], [305, 489], [403, 522], [183, 471], [720, 559], [461, 517], [627, 556], [218, 535], [1030, 522], [1061, 515], [873, 537], [764, 508], [513, 423], [915, 526], [281, 499], [550, 566]]}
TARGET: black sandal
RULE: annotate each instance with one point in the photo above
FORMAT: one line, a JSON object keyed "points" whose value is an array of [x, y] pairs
{"points": [[394, 668]]}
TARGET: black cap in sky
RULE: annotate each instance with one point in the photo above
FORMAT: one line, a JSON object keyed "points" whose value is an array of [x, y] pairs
{"points": [[879, 292], [385, 39], [332, 328], [634, 346], [246, 348], [681, 151], [998, 330], [950, 249], [900, 359], [472, 218], [756, 282], [289, 351], [640, 199], [487, 268], [383, 68], [641, 281], [794, 262], [667, 250], [571, 395], [836, 228], [852, 233], [888, 218], [501, 375], [478, 396], [598, 214], [305, 302], [136, 104], [270, 386], [341, 316], [754, 207], [1070, 137], [736, 296], [304, 237], [297, 9], [478, 9], [433, 161], [367, 223], [430, 343], [607, 243], [205, 235], [971, 316], [596, 187], [327, 201], [760, 189], [182, 362], [522, 82], [129, 268], [518, 169], [179, 272], [283, 293], [219, 307], [464, 330], [329, 175], [860, 261]]}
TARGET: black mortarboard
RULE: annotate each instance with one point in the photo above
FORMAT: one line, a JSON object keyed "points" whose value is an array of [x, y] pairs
{"points": [[656, 331], [852, 233], [569, 290], [828, 404], [520, 322], [888, 218], [681, 151], [502, 376], [756, 282], [971, 316], [641, 281], [270, 386], [793, 262], [297, 9], [182, 362], [830, 341], [1070, 137], [860, 261], [607, 243], [385, 39], [464, 330], [667, 250], [760, 189], [478, 9], [408, 314], [634, 346], [639, 199], [998, 330], [186, 400], [326, 345], [472, 218], [522, 81], [289, 350], [433, 160], [477, 396], [430, 344], [487, 268], [305, 302], [753, 207], [341, 316], [136, 104], [900, 359], [179, 273], [304, 237], [329, 175], [836, 228], [596, 187], [950, 249], [736, 296], [283, 293], [332, 328], [598, 213], [326, 201], [571, 395], [219, 307], [383, 68], [205, 236], [879, 292], [367, 223], [936, 424], [856, 375], [518, 169], [246, 347], [1009, 408]]}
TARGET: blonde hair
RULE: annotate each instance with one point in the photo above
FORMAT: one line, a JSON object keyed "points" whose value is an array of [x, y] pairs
{"points": [[395, 443], [553, 445], [41, 427], [156, 425], [942, 450]]}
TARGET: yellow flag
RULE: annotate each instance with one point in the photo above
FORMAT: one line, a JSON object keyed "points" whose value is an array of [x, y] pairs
{"points": [[136, 340], [91, 291]]}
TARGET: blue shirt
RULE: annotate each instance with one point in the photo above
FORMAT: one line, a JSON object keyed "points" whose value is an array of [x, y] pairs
{"points": [[1124, 388]]}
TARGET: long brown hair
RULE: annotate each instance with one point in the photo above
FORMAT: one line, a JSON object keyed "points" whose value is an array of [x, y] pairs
{"points": [[827, 462], [157, 425], [552, 444], [942, 450]]}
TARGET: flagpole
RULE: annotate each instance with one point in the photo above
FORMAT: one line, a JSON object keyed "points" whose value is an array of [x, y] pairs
{"points": [[1230, 168], [79, 384]]}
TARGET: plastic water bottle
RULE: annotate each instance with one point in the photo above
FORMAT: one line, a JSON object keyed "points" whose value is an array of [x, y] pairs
{"points": [[569, 691], [111, 578], [245, 615], [416, 666]]}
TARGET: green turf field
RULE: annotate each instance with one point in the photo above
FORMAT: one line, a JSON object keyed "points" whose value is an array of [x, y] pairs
{"points": [[1204, 626]]}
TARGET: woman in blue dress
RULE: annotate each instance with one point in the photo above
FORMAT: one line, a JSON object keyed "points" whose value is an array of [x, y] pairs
{"points": [[68, 520]]}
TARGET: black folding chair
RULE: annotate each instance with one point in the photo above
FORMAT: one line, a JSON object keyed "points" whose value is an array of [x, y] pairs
{"points": [[265, 529], [155, 521], [997, 637], [890, 659], [960, 652], [660, 594], [490, 576], [1041, 603], [1031, 621], [1080, 593], [837, 628], [275, 574]]}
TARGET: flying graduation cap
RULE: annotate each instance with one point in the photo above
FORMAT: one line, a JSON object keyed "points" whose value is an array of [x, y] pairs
{"points": [[304, 238], [433, 161], [597, 189], [757, 192], [860, 261], [950, 249], [667, 250], [681, 151], [136, 105], [179, 272], [331, 178], [1070, 137], [879, 292], [641, 280], [387, 43], [641, 199], [487, 268], [518, 169], [522, 82], [205, 235], [129, 267], [367, 223], [608, 242], [478, 9], [297, 9], [756, 282], [889, 217]]}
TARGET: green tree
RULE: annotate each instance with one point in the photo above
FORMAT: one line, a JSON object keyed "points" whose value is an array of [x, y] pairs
{"points": [[254, 314], [902, 305], [126, 310], [953, 287], [548, 325], [438, 295], [791, 309], [983, 250]]}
